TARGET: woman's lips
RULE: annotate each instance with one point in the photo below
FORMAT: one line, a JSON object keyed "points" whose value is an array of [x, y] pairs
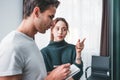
{"points": [[60, 36]]}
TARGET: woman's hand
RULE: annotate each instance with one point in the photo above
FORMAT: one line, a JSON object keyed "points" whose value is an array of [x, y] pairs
{"points": [[79, 48]]}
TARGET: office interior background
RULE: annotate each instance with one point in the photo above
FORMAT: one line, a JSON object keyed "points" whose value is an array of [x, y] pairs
{"points": [[85, 21]]}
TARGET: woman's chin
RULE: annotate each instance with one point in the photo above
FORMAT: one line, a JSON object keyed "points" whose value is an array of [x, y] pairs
{"points": [[60, 39]]}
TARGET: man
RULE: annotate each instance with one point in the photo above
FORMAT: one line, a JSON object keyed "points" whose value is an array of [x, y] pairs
{"points": [[20, 58]]}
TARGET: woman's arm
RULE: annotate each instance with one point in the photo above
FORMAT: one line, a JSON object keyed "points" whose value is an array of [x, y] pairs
{"points": [[79, 48]]}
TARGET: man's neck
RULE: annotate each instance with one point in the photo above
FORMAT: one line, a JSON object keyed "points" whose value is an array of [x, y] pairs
{"points": [[27, 28]]}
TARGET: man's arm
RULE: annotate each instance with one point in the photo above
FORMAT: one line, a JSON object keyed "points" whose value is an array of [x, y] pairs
{"points": [[16, 77]]}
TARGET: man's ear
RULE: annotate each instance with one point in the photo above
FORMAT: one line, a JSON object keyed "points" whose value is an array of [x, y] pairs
{"points": [[36, 11]]}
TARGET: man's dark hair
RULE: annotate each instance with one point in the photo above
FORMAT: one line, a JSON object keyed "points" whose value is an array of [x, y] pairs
{"points": [[29, 5]]}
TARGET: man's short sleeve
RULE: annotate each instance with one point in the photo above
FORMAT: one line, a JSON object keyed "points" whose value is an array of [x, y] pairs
{"points": [[10, 62]]}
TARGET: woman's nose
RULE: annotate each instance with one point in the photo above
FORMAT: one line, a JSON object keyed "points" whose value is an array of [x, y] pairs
{"points": [[60, 31]]}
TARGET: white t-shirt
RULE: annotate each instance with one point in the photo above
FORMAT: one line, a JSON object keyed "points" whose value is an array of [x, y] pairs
{"points": [[19, 54]]}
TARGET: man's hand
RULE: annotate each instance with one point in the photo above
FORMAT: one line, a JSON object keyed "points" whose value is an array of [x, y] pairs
{"points": [[59, 73]]}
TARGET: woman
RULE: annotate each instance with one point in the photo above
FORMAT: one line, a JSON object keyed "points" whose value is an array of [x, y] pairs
{"points": [[58, 51]]}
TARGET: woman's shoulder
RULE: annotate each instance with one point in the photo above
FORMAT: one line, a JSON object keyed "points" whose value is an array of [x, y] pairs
{"points": [[44, 49]]}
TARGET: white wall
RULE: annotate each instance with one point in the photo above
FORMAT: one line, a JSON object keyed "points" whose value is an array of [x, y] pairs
{"points": [[10, 16]]}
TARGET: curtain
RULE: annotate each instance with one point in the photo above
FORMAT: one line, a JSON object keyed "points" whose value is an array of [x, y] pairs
{"points": [[104, 46]]}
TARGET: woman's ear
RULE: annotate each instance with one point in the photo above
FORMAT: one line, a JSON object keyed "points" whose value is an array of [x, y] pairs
{"points": [[36, 11]]}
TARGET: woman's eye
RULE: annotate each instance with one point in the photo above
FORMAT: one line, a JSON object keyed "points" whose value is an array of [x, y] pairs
{"points": [[64, 29]]}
